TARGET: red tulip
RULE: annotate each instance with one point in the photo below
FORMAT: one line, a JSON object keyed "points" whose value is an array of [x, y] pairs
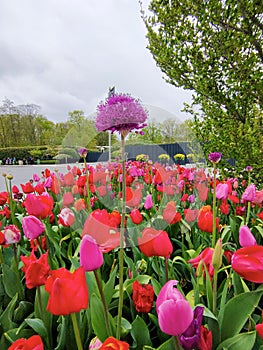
{"points": [[28, 187], [170, 214], [206, 259], [142, 296], [112, 343], [32, 343], [206, 340], [205, 219], [68, 292], [155, 243], [32, 226], [36, 270], [136, 216], [248, 263], [40, 206], [3, 197], [174, 311]]}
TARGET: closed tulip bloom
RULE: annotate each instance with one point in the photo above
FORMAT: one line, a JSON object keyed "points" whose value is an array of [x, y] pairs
{"points": [[206, 259], [248, 263], [222, 191], [136, 216], [68, 199], [32, 226], [170, 214], [36, 270], [3, 197], [66, 217], [148, 204], [91, 257], [205, 219], [68, 292], [32, 343], [155, 243], [246, 237], [12, 234], [174, 311]]}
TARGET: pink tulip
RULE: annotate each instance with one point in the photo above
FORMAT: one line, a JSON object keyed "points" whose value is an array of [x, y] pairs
{"points": [[174, 311], [12, 234], [248, 263], [148, 202], [222, 191], [91, 257], [66, 217], [32, 226], [249, 193], [246, 238]]}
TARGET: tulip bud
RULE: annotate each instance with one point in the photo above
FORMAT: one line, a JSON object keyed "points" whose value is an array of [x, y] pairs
{"points": [[217, 256]]}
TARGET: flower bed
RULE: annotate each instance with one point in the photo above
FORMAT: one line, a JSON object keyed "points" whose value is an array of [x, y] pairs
{"points": [[192, 267]]}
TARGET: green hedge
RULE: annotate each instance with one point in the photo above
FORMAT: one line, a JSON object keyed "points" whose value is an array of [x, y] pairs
{"points": [[45, 152]]}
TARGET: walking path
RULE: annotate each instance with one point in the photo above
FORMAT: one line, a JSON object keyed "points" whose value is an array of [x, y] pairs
{"points": [[23, 173]]}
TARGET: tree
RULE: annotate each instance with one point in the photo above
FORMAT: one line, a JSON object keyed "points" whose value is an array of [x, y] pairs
{"points": [[215, 49]]}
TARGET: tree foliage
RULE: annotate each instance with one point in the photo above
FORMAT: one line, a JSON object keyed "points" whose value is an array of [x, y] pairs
{"points": [[215, 49]]}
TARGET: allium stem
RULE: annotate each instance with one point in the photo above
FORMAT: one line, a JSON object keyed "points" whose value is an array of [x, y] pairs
{"points": [[248, 203], [87, 197], [215, 292], [121, 253], [76, 331], [214, 238]]}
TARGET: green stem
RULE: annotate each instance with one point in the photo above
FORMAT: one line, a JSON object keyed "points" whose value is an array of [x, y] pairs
{"points": [[87, 198], [214, 210], [121, 253], [1, 255], [76, 331], [166, 269], [105, 308], [215, 292], [177, 344], [39, 300]]}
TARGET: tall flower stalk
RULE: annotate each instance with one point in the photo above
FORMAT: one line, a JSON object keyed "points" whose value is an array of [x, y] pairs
{"points": [[214, 159], [121, 113], [83, 153]]}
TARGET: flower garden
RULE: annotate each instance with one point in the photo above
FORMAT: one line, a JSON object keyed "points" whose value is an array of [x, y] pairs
{"points": [[131, 255]]}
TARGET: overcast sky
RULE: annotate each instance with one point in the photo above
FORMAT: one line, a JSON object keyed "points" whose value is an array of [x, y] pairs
{"points": [[64, 55]]}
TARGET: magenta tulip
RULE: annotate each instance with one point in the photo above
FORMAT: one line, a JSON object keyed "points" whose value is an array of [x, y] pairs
{"points": [[249, 193], [148, 204], [246, 238], [174, 311], [32, 226], [248, 263], [91, 257], [222, 191]]}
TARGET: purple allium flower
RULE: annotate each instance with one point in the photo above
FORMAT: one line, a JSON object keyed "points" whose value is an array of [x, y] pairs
{"points": [[249, 168], [214, 157], [191, 337], [82, 152], [119, 113]]}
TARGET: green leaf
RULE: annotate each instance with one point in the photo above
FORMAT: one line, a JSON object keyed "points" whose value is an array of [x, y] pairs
{"points": [[7, 316], [140, 333], [98, 318], [11, 281], [168, 345], [38, 326], [238, 342], [109, 286], [236, 312]]}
